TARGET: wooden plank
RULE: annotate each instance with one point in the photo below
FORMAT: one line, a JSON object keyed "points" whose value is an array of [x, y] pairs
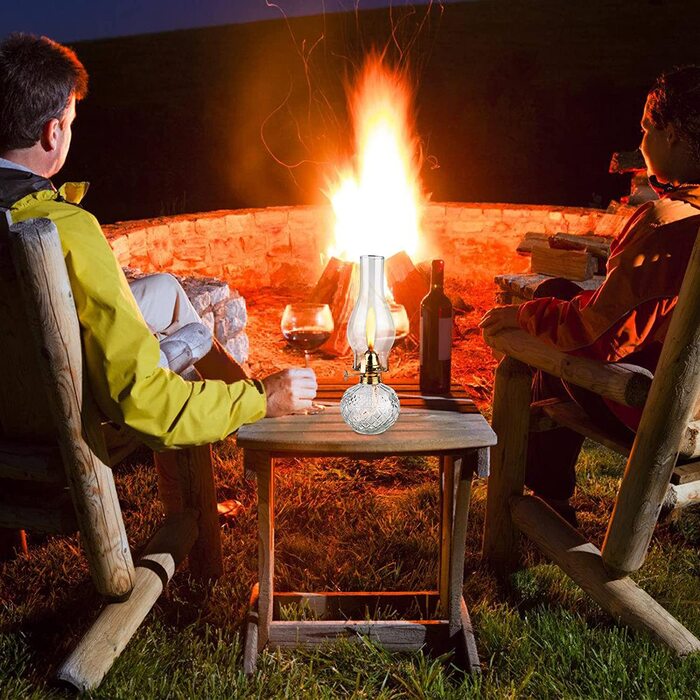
{"points": [[582, 561], [250, 649], [28, 462], [54, 517], [360, 604], [531, 240], [464, 469], [625, 384], [471, 663], [393, 635], [106, 639], [266, 545], [327, 434], [511, 420], [447, 482], [670, 406], [570, 264], [523, 285], [570, 415], [686, 473]]}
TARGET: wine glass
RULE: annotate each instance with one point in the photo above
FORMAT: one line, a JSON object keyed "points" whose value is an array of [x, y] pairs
{"points": [[400, 318], [307, 326]]}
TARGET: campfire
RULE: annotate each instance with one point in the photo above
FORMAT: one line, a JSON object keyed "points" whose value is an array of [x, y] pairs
{"points": [[377, 201]]}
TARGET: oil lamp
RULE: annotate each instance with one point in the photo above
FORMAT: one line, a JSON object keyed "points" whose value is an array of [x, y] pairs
{"points": [[370, 407]]}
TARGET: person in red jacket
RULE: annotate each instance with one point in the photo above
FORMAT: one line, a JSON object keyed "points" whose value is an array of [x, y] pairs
{"points": [[628, 317]]}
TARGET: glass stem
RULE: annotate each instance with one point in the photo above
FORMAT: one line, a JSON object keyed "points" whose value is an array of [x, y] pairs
{"points": [[307, 359]]}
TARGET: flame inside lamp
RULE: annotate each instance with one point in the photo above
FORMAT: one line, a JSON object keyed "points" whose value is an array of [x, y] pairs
{"points": [[371, 307], [370, 407]]}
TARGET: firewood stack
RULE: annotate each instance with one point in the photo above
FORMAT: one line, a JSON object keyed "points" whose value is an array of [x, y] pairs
{"points": [[574, 257], [339, 286]]}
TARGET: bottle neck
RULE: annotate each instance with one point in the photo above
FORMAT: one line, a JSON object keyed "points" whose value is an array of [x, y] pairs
{"points": [[437, 275]]}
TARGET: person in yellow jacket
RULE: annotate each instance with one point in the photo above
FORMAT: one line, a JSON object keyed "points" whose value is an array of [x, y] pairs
{"points": [[40, 83]]}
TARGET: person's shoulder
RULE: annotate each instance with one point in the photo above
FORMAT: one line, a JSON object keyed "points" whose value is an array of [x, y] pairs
{"points": [[62, 213], [667, 210]]}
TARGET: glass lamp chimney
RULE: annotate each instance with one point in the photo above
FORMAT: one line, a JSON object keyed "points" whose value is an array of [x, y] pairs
{"points": [[371, 306]]}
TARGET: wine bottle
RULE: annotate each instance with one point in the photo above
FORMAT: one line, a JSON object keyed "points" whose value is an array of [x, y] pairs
{"points": [[435, 335]]}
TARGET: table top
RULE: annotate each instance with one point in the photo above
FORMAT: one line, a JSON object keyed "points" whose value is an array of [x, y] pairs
{"points": [[426, 425]]}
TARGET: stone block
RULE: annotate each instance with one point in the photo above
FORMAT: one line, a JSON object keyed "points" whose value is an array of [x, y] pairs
{"points": [[208, 320], [230, 316], [467, 226], [493, 212], [301, 217], [239, 347], [271, 217], [138, 246], [120, 248], [239, 223], [211, 227], [278, 239], [160, 246]]}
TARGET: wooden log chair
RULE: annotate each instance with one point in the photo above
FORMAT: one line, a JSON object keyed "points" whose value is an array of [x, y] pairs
{"points": [[662, 472], [55, 470]]}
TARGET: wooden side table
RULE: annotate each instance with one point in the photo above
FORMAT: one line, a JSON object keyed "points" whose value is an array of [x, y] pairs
{"points": [[450, 428]]}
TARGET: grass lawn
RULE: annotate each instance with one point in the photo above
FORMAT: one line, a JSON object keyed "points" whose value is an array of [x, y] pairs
{"points": [[355, 526]]}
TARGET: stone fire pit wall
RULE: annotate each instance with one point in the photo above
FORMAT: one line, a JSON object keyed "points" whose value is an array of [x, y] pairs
{"points": [[283, 245], [279, 246]]}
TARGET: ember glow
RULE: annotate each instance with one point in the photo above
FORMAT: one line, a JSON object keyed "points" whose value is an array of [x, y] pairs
{"points": [[377, 200]]}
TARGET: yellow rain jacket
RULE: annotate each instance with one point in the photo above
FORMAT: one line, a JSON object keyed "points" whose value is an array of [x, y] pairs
{"points": [[121, 355]]}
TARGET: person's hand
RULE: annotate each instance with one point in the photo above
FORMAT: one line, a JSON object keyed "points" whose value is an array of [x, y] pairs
{"points": [[498, 319], [289, 391]]}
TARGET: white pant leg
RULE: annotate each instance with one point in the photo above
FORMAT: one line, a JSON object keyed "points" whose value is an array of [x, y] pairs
{"points": [[163, 303]]}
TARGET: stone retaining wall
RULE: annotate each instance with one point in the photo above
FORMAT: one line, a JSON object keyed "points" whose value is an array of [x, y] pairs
{"points": [[282, 245]]}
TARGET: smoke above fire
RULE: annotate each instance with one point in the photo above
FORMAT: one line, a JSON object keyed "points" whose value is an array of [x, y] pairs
{"points": [[377, 197]]}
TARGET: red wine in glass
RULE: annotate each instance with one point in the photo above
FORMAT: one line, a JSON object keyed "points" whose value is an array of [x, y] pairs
{"points": [[307, 327], [307, 339]]}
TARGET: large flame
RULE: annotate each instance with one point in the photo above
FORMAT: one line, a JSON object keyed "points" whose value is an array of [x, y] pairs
{"points": [[377, 201]]}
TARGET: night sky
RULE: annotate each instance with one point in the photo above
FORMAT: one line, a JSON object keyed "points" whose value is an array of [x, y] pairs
{"points": [[78, 20]]}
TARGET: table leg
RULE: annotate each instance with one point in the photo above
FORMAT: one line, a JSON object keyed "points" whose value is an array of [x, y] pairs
{"points": [[464, 470], [447, 481], [265, 468]]}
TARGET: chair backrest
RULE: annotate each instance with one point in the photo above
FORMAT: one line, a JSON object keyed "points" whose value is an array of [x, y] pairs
{"points": [[24, 407], [46, 401], [668, 411]]}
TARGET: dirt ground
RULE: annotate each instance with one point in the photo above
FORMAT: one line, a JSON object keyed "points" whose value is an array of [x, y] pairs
{"points": [[472, 362]]}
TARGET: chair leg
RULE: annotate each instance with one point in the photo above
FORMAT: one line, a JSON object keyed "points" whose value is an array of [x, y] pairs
{"points": [[12, 543], [196, 472], [511, 419]]}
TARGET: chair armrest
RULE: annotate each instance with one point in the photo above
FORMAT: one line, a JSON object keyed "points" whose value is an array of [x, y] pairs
{"points": [[625, 384]]}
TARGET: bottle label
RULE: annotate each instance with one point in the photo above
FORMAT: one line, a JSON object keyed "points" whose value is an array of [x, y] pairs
{"points": [[445, 339]]}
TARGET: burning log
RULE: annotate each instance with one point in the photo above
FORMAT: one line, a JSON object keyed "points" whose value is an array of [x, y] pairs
{"points": [[408, 286], [338, 287]]}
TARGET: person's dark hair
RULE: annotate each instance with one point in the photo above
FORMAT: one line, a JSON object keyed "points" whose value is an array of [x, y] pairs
{"points": [[37, 78], [675, 98]]}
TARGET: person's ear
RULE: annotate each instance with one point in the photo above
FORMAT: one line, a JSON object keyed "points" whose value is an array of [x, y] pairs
{"points": [[671, 134], [50, 135]]}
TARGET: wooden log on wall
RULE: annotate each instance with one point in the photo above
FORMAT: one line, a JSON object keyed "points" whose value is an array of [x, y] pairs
{"points": [[569, 264], [672, 400], [581, 560], [50, 312]]}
